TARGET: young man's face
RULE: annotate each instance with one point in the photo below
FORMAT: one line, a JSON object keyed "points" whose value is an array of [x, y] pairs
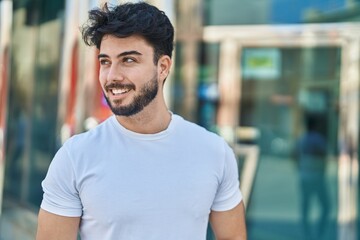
{"points": [[128, 76]]}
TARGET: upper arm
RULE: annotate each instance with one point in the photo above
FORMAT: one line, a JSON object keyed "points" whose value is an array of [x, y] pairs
{"points": [[229, 225], [56, 227]]}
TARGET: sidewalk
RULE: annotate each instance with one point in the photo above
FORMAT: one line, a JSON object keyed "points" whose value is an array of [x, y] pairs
{"points": [[17, 223]]}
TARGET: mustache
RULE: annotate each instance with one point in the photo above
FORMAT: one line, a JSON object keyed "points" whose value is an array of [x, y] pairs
{"points": [[119, 85]]}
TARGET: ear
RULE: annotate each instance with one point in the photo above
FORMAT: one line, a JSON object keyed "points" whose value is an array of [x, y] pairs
{"points": [[164, 65]]}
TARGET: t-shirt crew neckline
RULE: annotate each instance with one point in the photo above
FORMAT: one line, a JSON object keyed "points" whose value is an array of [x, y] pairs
{"points": [[150, 136]]}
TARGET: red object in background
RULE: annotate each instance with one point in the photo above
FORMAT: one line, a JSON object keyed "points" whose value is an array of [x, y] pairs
{"points": [[70, 119], [101, 110], [3, 101]]}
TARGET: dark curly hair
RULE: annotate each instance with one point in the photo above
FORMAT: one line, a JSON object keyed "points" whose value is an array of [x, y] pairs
{"points": [[129, 19]]}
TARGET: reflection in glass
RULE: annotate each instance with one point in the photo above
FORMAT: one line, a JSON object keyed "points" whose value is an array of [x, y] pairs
{"points": [[33, 98], [311, 156], [230, 12], [208, 96], [295, 191]]}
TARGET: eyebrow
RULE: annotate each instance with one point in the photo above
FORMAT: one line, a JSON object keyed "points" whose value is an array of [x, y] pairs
{"points": [[103, 55]]}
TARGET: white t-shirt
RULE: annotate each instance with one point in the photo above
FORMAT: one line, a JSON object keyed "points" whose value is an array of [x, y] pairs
{"points": [[126, 185]]}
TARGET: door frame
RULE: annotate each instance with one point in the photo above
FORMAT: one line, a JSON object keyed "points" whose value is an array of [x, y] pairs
{"points": [[5, 40], [233, 39]]}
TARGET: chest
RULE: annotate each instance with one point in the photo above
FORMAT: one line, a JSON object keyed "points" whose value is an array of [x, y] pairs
{"points": [[148, 185]]}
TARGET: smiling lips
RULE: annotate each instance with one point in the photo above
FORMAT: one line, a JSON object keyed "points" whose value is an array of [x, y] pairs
{"points": [[118, 89]]}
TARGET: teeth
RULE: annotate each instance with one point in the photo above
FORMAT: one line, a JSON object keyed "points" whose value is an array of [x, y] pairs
{"points": [[119, 91]]}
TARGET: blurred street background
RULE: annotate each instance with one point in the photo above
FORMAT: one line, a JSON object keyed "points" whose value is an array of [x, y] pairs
{"points": [[278, 79]]}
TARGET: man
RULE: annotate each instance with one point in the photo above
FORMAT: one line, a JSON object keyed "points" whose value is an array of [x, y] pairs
{"points": [[311, 155], [144, 173]]}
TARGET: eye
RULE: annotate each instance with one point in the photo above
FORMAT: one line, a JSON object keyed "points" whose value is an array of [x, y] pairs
{"points": [[104, 62], [128, 60]]}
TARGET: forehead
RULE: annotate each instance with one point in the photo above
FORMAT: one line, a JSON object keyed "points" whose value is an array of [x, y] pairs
{"points": [[116, 45]]}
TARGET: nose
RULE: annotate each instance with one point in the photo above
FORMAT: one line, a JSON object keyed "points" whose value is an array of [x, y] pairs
{"points": [[115, 73]]}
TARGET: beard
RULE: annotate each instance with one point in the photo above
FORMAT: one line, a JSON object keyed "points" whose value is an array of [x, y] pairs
{"points": [[145, 96]]}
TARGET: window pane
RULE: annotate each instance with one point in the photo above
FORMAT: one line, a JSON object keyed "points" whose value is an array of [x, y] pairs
{"points": [[290, 95], [230, 12], [33, 97]]}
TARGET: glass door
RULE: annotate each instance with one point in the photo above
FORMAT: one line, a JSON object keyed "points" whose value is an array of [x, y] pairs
{"points": [[288, 104], [291, 97]]}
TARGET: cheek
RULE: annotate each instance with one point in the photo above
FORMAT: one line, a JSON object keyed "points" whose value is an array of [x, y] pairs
{"points": [[102, 78], [102, 84]]}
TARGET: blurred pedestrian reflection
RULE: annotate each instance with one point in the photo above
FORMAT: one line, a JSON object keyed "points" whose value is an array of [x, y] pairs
{"points": [[15, 148], [311, 156]]}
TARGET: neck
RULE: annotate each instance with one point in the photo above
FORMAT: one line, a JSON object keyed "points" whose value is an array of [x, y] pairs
{"points": [[148, 121]]}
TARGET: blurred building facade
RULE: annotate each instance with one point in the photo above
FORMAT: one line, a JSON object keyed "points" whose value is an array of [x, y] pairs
{"points": [[256, 72]]}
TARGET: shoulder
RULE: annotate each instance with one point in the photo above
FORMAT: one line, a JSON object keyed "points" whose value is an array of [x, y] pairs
{"points": [[193, 128], [199, 135], [93, 136]]}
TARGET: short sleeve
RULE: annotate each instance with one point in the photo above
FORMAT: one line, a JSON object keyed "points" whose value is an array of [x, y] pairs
{"points": [[228, 194], [60, 193]]}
